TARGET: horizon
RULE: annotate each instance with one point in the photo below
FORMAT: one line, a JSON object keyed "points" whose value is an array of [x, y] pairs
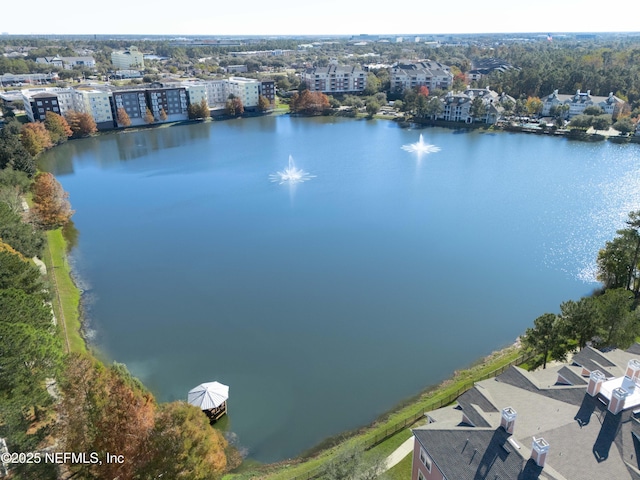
{"points": [[336, 18]]}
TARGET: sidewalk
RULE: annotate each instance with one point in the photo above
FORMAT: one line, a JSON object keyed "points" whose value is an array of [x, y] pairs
{"points": [[399, 454]]}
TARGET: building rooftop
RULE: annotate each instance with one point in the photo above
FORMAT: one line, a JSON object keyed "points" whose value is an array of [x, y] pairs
{"points": [[567, 407]]}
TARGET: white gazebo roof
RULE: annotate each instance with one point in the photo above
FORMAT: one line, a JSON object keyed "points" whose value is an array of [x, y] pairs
{"points": [[208, 395]]}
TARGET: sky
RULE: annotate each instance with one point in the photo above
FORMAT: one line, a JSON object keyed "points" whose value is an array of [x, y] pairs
{"points": [[325, 17]]}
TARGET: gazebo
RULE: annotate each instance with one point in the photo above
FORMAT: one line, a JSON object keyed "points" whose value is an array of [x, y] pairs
{"points": [[211, 398]]}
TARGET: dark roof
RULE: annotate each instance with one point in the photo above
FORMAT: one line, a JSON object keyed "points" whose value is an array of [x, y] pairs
{"points": [[571, 377], [635, 349], [473, 454], [516, 378], [591, 359], [473, 397]]}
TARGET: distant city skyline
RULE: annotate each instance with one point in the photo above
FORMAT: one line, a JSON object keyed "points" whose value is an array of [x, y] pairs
{"points": [[331, 17]]}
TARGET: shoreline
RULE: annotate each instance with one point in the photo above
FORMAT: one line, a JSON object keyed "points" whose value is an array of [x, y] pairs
{"points": [[60, 268]]}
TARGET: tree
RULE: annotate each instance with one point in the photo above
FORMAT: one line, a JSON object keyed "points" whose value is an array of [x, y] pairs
{"points": [[12, 151], [421, 106], [123, 118], [50, 202], [580, 319], [13, 184], [618, 323], [478, 109], [373, 85], [204, 111], [581, 121], [423, 91], [618, 261], [263, 103], [534, 105], [546, 339], [21, 236], [234, 106], [35, 138], [58, 128], [434, 107], [309, 103], [163, 115], [148, 117], [17, 306], [183, 445], [82, 124], [372, 107], [17, 272], [593, 110], [602, 122], [624, 125]]}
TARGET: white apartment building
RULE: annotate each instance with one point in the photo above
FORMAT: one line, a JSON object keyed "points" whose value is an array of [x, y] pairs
{"points": [[96, 103], [132, 58], [246, 89], [217, 93], [196, 92]]}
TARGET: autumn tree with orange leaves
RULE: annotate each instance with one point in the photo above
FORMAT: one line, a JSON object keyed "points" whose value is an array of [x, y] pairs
{"points": [[35, 138], [51, 206], [309, 103], [107, 410], [58, 127], [82, 124]]}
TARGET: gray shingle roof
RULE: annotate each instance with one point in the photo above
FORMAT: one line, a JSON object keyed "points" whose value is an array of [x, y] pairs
{"points": [[473, 397], [473, 454], [571, 377]]}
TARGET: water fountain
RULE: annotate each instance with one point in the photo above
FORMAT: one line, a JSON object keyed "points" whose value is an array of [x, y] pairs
{"points": [[420, 147], [291, 174]]}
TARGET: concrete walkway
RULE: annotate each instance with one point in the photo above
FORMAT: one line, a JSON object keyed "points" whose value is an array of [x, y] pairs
{"points": [[400, 453]]}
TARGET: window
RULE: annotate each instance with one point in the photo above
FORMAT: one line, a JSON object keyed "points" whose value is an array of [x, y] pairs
{"points": [[420, 475], [425, 459]]}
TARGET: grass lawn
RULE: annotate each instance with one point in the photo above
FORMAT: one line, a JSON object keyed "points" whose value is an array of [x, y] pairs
{"points": [[402, 471], [66, 302]]}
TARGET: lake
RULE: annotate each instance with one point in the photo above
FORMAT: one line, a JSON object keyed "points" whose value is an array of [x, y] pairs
{"points": [[324, 304]]}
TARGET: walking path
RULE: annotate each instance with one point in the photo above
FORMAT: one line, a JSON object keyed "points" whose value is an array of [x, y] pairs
{"points": [[399, 454]]}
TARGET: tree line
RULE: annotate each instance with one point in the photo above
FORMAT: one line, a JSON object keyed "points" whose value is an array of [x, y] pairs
{"points": [[607, 319], [69, 401]]}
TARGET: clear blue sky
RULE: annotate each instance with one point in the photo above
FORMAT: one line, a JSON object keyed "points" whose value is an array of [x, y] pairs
{"points": [[327, 17]]}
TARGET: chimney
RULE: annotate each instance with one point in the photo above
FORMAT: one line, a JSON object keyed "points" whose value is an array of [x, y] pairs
{"points": [[539, 450], [508, 420], [633, 370], [617, 400], [595, 382]]}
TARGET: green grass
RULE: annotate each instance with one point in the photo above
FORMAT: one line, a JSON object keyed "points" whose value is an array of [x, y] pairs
{"points": [[402, 471], [66, 297]]}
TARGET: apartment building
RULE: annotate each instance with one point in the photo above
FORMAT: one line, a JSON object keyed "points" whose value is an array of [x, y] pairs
{"points": [[578, 102], [216, 93], [335, 79], [38, 101], [427, 73], [134, 102], [173, 101], [268, 90], [68, 63], [246, 89], [130, 59], [96, 103]]}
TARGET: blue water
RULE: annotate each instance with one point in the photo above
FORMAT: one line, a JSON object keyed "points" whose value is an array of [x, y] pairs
{"points": [[324, 304]]}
